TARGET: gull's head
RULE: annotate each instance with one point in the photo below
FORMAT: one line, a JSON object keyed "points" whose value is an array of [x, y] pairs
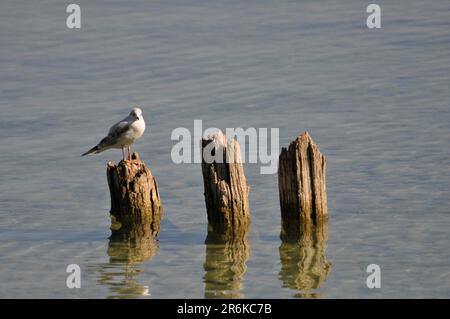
{"points": [[136, 113]]}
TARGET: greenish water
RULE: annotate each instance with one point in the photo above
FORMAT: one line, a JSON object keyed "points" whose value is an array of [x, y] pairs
{"points": [[376, 101]]}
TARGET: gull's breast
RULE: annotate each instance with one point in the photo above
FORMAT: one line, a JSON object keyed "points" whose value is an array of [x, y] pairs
{"points": [[137, 129], [134, 132]]}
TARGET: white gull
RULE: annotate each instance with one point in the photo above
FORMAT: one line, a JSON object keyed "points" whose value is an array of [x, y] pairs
{"points": [[121, 134]]}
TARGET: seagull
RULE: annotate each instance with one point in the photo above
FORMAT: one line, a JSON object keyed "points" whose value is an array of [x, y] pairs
{"points": [[121, 134]]}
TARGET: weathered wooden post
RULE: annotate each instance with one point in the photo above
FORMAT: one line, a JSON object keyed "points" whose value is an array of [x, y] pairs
{"points": [[302, 188], [304, 215], [136, 208], [225, 185]]}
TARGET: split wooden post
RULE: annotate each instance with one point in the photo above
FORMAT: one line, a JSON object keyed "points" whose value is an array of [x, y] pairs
{"points": [[302, 189], [136, 208], [225, 185]]}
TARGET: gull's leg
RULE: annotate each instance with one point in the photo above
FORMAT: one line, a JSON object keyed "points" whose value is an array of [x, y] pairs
{"points": [[129, 153], [123, 152]]}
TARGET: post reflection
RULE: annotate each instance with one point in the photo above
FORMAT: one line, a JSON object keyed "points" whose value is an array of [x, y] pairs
{"points": [[128, 250], [304, 266], [225, 265]]}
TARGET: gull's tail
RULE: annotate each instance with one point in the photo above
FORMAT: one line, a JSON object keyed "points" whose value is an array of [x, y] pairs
{"points": [[100, 147], [95, 149]]}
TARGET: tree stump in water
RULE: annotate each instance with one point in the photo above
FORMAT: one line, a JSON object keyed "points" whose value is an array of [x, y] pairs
{"points": [[302, 188], [136, 207], [225, 185]]}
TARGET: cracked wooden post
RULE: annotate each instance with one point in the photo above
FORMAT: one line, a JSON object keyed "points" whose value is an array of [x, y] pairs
{"points": [[225, 185], [302, 189], [136, 208]]}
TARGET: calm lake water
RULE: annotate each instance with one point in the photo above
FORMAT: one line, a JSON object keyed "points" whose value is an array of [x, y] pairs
{"points": [[376, 101]]}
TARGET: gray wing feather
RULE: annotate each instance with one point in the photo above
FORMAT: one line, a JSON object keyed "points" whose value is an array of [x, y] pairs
{"points": [[114, 133], [118, 129]]}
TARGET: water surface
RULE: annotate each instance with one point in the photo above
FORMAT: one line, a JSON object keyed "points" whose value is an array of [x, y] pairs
{"points": [[376, 101]]}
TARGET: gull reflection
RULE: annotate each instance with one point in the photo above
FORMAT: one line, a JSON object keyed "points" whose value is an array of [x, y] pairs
{"points": [[225, 265]]}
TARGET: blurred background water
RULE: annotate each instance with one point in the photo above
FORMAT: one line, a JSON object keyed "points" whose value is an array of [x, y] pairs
{"points": [[376, 101]]}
